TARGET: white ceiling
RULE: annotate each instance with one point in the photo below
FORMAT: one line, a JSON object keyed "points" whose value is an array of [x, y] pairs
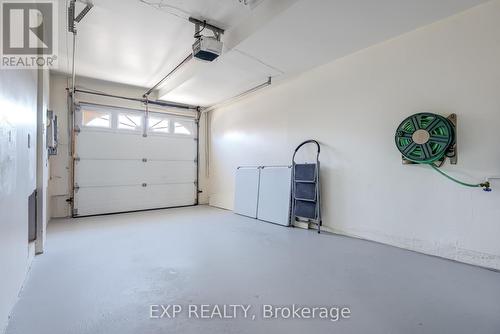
{"points": [[130, 42]]}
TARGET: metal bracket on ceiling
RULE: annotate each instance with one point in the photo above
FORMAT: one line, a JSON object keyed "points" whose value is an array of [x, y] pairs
{"points": [[72, 19], [204, 25]]}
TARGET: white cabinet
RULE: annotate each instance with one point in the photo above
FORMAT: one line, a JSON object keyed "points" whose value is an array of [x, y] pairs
{"points": [[274, 195], [246, 191], [264, 193]]}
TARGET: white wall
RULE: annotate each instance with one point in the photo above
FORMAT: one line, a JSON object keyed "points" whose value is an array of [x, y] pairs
{"points": [[43, 85], [60, 165], [18, 107], [353, 106]]}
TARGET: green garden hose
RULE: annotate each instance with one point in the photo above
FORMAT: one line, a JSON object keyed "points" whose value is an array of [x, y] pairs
{"points": [[425, 138], [485, 185]]}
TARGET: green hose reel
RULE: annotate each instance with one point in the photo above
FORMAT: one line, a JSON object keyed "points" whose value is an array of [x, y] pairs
{"points": [[427, 138]]}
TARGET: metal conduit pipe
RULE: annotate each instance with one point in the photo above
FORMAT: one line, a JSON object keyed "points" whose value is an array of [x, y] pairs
{"points": [[182, 63], [243, 94], [145, 100], [206, 111]]}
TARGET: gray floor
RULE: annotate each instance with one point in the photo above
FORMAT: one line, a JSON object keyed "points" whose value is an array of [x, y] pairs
{"points": [[101, 274]]}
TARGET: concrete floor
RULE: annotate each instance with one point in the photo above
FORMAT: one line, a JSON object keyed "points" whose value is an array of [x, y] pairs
{"points": [[101, 274]]}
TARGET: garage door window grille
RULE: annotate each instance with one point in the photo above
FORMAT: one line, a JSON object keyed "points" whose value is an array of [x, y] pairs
{"points": [[183, 128], [96, 119], [113, 119], [130, 122], [158, 124]]}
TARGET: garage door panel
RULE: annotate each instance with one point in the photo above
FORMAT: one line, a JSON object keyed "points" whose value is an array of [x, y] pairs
{"points": [[106, 172], [173, 148], [160, 172], [121, 170], [109, 145], [99, 200], [133, 172]]}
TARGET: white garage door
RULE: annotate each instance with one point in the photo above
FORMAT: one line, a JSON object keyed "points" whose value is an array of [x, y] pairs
{"points": [[126, 161]]}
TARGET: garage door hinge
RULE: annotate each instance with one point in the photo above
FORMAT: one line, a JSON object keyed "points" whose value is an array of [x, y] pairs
{"points": [[77, 129], [144, 184], [77, 187], [144, 160], [77, 159]]}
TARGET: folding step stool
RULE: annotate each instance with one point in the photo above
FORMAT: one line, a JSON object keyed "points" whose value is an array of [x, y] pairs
{"points": [[306, 197]]}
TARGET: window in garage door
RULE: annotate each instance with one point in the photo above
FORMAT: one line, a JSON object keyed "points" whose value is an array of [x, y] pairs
{"points": [[183, 127], [159, 124], [129, 121], [99, 119], [118, 169]]}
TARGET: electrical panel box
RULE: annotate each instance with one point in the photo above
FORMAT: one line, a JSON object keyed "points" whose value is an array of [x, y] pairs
{"points": [[52, 129]]}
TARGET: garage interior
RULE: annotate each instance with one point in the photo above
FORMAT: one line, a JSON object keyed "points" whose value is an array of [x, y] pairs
{"points": [[270, 154]]}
